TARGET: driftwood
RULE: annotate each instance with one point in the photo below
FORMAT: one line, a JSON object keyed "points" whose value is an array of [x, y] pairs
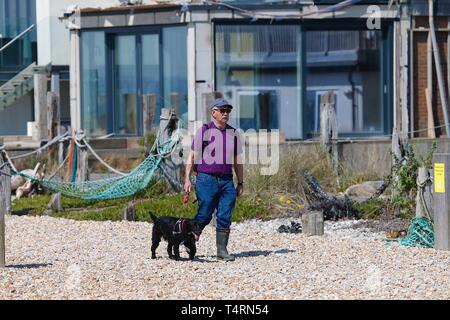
{"points": [[333, 208], [27, 188]]}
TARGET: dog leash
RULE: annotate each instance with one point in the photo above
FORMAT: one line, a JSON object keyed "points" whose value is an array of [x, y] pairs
{"points": [[179, 225], [186, 198]]}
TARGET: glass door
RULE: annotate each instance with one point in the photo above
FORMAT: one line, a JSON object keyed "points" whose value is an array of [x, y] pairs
{"points": [[126, 94], [149, 62], [151, 73]]}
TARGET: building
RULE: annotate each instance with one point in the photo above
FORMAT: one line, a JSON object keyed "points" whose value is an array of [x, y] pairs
{"points": [[272, 59], [272, 65], [39, 43]]}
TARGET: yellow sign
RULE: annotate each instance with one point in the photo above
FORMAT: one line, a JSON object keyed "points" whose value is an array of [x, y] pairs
{"points": [[439, 177]]}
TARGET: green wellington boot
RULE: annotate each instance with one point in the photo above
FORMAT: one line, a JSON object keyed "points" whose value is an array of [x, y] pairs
{"points": [[222, 242]]}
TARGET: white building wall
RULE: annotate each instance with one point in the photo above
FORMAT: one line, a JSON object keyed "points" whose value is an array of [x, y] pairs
{"points": [[53, 37]]}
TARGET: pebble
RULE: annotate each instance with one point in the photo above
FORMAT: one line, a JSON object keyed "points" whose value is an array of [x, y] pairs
{"points": [[51, 258]]}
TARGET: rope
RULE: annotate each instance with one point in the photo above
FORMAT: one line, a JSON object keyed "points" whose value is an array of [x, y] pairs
{"points": [[58, 139], [101, 160], [70, 155], [116, 187], [59, 168], [75, 164]]}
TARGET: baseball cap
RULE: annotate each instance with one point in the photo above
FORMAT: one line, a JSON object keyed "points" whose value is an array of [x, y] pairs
{"points": [[220, 103]]}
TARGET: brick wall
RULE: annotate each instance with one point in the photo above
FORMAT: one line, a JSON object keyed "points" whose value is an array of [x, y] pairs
{"points": [[420, 76]]}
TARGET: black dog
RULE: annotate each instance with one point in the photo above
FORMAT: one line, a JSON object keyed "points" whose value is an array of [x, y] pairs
{"points": [[175, 231]]}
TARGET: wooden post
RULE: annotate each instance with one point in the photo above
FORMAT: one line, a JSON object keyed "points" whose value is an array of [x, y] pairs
{"points": [[175, 102], [169, 169], [421, 205], [129, 213], [149, 108], [54, 204], [441, 201], [329, 128], [83, 165], [312, 223], [53, 127], [40, 104], [5, 205], [396, 153], [428, 194]]}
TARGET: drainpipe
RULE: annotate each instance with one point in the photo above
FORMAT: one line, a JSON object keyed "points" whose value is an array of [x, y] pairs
{"points": [[437, 60]]}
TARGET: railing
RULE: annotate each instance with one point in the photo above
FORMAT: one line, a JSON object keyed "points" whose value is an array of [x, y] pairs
{"points": [[17, 37]]}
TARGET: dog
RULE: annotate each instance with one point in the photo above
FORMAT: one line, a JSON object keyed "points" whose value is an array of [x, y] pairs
{"points": [[175, 231]]}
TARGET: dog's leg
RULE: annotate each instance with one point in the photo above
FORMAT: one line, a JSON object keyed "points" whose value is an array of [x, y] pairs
{"points": [[156, 238], [190, 248], [169, 250], [176, 250]]}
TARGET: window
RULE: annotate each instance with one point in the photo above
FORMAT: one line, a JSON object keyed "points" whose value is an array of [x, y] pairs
{"points": [[274, 75], [15, 17], [132, 63], [257, 69], [94, 91], [348, 63]]}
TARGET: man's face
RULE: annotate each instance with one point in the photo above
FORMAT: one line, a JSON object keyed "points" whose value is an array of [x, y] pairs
{"points": [[221, 114]]}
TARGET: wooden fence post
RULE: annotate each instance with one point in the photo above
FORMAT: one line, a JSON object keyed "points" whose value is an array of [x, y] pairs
{"points": [[175, 102], [149, 108], [5, 205], [53, 127], [441, 201], [129, 213], [83, 165], [421, 200], [40, 104], [312, 223], [170, 171], [329, 128]]}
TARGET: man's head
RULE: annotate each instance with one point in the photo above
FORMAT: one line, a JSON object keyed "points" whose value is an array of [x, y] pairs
{"points": [[220, 110]]}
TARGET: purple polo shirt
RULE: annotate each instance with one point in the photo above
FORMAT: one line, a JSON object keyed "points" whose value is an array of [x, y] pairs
{"points": [[218, 149]]}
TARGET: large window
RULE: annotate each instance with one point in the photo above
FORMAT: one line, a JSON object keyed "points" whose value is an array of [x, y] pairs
{"points": [[275, 76], [131, 64], [258, 68], [347, 63]]}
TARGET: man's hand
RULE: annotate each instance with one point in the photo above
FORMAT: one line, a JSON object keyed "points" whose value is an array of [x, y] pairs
{"points": [[239, 190], [187, 185]]}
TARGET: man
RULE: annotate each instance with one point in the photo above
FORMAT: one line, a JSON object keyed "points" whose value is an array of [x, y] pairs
{"points": [[215, 150]]}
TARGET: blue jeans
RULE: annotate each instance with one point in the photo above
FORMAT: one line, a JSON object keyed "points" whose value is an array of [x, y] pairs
{"points": [[215, 192]]}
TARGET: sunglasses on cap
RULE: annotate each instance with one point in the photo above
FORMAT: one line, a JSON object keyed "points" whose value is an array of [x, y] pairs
{"points": [[223, 110]]}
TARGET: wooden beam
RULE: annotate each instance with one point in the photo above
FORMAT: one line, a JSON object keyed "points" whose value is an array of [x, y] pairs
{"points": [[441, 201], [40, 105]]}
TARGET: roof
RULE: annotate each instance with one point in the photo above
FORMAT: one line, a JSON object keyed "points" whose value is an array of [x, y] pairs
{"points": [[119, 9]]}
